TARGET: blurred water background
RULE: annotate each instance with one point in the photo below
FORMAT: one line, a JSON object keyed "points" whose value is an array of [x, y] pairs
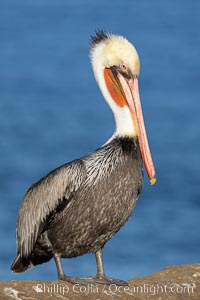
{"points": [[52, 112]]}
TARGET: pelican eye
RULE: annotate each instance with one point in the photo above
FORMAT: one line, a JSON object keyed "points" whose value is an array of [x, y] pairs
{"points": [[123, 68]]}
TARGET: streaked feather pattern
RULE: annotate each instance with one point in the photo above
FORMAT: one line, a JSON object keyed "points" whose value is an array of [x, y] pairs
{"points": [[42, 198], [77, 207]]}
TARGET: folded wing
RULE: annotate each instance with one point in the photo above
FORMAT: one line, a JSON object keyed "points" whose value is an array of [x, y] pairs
{"points": [[42, 199]]}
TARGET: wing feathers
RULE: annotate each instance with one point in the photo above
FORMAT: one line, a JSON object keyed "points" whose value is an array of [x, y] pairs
{"points": [[42, 198]]}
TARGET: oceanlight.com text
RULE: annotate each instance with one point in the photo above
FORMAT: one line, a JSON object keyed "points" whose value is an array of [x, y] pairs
{"points": [[157, 289]]}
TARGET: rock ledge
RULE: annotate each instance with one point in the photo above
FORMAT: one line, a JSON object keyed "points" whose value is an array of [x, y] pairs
{"points": [[173, 283]]}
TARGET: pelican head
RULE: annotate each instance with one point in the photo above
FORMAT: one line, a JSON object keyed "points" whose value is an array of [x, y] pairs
{"points": [[116, 68]]}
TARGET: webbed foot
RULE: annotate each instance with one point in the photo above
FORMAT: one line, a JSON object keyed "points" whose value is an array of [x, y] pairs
{"points": [[76, 280], [108, 280], [93, 280]]}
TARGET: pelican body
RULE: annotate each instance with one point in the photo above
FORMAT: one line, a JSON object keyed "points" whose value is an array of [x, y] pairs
{"points": [[79, 206]]}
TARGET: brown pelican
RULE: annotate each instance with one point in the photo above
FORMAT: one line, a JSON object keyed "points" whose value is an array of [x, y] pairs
{"points": [[79, 206]]}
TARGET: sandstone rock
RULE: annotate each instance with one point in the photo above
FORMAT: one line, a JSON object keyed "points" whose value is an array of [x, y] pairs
{"points": [[172, 283]]}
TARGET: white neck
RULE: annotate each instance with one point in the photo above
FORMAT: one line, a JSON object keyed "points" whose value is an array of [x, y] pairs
{"points": [[123, 118]]}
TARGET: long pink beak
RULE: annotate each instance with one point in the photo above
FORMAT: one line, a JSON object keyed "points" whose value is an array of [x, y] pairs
{"points": [[131, 91]]}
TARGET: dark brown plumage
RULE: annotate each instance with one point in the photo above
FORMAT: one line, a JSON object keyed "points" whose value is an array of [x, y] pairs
{"points": [[74, 219]]}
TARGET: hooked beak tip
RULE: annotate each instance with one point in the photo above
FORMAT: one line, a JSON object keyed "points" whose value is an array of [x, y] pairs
{"points": [[153, 180]]}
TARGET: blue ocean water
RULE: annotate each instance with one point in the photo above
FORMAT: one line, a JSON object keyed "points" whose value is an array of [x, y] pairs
{"points": [[52, 112]]}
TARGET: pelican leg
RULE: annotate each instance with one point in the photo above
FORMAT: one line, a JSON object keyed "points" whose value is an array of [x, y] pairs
{"points": [[61, 273], [101, 277], [99, 261], [73, 280]]}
